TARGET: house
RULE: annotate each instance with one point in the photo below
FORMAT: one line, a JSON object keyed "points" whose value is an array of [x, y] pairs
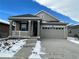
{"points": [[40, 25], [73, 31], [4, 29]]}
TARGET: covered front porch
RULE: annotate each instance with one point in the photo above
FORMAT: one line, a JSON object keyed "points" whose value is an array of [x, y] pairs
{"points": [[24, 27]]}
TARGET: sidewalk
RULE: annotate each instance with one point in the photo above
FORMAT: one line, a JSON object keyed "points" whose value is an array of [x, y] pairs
{"points": [[24, 52]]}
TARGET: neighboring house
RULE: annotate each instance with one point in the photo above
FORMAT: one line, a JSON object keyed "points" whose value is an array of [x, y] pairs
{"points": [[40, 25], [4, 29], [73, 31]]}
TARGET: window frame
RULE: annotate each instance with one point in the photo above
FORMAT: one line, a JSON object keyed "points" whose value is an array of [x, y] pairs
{"points": [[26, 24]]}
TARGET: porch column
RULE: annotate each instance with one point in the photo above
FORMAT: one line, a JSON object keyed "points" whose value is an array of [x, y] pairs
{"points": [[10, 27], [38, 28], [15, 26], [29, 27]]}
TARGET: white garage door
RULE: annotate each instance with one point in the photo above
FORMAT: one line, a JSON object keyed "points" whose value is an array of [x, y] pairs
{"points": [[49, 31]]}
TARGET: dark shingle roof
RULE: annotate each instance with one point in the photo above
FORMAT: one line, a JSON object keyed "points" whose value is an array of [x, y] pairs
{"points": [[25, 15]]}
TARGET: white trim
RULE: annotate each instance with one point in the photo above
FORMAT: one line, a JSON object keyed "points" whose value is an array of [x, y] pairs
{"points": [[38, 28], [59, 26], [29, 20], [38, 21], [25, 18], [44, 21], [47, 25]]}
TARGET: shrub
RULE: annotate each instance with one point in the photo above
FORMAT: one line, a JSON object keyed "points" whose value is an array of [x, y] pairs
{"points": [[6, 44]]}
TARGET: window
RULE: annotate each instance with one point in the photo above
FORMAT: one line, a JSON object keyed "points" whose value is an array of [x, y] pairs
{"points": [[56, 28], [62, 28], [46, 27], [42, 27], [24, 26], [51, 27], [59, 28]]}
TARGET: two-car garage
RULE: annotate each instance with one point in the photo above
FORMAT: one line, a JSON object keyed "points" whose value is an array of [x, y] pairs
{"points": [[53, 31]]}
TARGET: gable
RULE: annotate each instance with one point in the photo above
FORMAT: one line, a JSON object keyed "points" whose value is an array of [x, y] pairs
{"points": [[46, 17]]}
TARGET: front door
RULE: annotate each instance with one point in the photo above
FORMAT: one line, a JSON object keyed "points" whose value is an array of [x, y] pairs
{"points": [[35, 28]]}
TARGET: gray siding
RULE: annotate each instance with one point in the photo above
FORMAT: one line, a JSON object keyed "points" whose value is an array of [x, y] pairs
{"points": [[17, 26], [46, 17]]}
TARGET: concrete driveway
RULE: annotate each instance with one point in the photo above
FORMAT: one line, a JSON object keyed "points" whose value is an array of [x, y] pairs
{"points": [[60, 49]]}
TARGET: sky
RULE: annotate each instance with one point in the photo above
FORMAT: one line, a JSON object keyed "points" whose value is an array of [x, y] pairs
{"points": [[16, 7], [67, 7]]}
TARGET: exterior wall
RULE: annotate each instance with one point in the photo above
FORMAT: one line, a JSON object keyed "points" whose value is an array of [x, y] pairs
{"points": [[22, 34], [46, 17], [4, 30], [17, 26], [54, 33]]}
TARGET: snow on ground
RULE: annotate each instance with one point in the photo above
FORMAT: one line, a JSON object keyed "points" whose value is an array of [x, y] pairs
{"points": [[36, 51], [72, 39], [12, 48]]}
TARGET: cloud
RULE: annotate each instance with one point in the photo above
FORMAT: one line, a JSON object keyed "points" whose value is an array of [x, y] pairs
{"points": [[69, 8], [4, 21]]}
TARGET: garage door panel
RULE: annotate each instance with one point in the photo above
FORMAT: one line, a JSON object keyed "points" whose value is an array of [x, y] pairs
{"points": [[52, 33]]}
